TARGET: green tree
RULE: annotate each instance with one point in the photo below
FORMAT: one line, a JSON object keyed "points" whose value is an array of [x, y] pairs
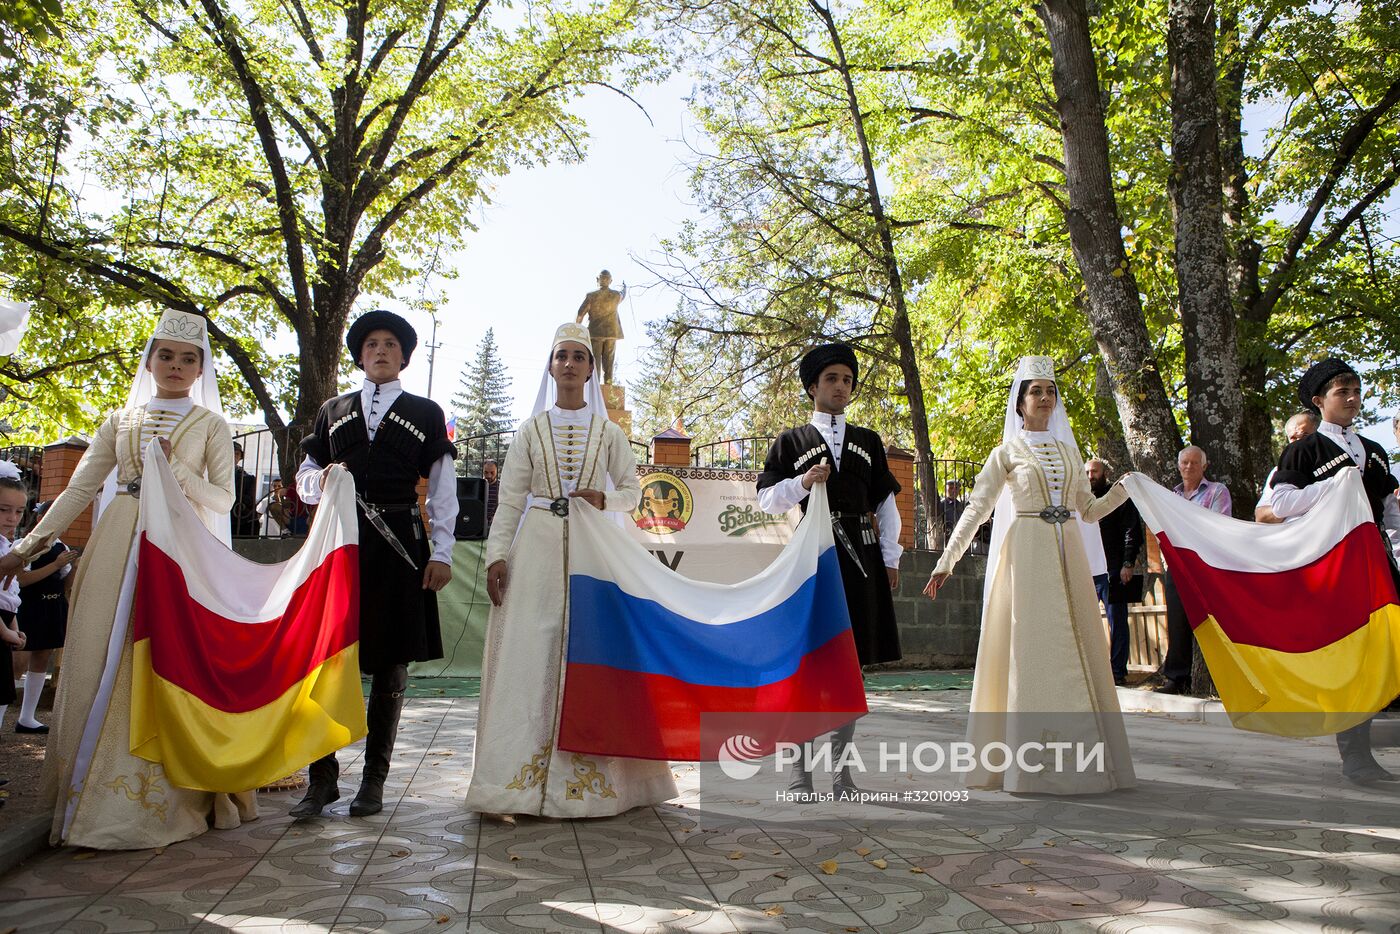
{"points": [[802, 246], [482, 403], [265, 164]]}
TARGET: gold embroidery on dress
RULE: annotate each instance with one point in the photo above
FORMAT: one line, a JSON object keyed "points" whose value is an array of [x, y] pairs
{"points": [[587, 778], [533, 772], [147, 788]]}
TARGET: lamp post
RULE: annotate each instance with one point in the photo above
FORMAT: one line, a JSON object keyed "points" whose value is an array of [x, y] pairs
{"points": [[433, 346]]}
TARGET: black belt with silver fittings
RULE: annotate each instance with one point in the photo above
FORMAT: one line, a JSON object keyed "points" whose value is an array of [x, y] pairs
{"points": [[1055, 515], [391, 507]]}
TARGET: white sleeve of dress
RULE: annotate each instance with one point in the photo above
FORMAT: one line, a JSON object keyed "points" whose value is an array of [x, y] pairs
{"points": [[442, 508], [214, 488], [1290, 501], [890, 525], [99, 460], [622, 468], [309, 481], [782, 496], [514, 491], [980, 506]]}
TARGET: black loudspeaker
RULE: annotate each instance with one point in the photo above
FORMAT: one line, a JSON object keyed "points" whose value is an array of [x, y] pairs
{"points": [[471, 509]]}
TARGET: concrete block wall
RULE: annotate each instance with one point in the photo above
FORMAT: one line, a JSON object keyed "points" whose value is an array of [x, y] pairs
{"points": [[938, 633]]}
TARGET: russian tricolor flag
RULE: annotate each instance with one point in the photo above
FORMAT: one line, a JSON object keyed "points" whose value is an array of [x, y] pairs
{"points": [[650, 651]]}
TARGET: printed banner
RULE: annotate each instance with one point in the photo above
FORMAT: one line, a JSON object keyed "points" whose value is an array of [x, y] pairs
{"points": [[705, 523]]}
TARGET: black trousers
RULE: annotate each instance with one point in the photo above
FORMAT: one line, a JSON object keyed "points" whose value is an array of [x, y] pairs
{"points": [[1176, 666]]}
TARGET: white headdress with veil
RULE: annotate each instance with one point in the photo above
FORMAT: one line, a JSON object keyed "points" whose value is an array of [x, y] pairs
{"points": [[592, 392], [186, 328], [1029, 368]]}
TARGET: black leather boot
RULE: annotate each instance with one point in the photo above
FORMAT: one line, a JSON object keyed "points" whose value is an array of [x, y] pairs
{"points": [[382, 717], [801, 783], [1359, 765], [322, 790], [843, 785]]}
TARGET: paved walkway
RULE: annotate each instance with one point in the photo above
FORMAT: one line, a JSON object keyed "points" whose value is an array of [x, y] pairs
{"points": [[1227, 831]]}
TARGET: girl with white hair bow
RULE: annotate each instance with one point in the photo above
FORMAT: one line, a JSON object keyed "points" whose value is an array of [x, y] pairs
{"points": [[1043, 674]]}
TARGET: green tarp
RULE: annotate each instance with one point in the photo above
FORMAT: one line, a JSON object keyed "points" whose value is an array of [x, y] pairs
{"points": [[462, 610]]}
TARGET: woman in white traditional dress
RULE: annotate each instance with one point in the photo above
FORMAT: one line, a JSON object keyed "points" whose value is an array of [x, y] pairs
{"points": [[103, 796], [568, 449], [1043, 675]]}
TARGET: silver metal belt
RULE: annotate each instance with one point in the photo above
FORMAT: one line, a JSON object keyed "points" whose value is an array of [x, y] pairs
{"points": [[1055, 515], [558, 507]]}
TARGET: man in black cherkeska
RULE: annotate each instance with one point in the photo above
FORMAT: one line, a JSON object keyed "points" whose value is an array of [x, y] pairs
{"points": [[388, 439], [1332, 390], [851, 461]]}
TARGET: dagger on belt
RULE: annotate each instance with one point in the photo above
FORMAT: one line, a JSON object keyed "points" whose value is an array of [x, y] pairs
{"points": [[377, 520], [845, 542]]}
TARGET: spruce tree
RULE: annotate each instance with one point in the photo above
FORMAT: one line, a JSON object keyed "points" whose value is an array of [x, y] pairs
{"points": [[483, 400]]}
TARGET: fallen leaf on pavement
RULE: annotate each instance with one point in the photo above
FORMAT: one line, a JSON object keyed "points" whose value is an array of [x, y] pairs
{"points": [[828, 867]]}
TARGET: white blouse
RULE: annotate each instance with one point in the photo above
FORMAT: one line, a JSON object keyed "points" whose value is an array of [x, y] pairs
{"points": [[1047, 454], [162, 417], [570, 430]]}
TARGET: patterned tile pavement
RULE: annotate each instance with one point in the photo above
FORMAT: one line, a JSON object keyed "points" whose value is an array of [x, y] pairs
{"points": [[1227, 831]]}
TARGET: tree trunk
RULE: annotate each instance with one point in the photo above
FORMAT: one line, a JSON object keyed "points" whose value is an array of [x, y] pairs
{"points": [[1108, 441], [1115, 308], [1213, 401], [1245, 255], [900, 330]]}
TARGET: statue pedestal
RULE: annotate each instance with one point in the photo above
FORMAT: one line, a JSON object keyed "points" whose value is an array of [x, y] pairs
{"points": [[615, 397]]}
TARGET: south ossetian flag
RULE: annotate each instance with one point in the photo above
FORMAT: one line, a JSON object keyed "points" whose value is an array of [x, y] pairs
{"points": [[242, 672], [1299, 622], [650, 652]]}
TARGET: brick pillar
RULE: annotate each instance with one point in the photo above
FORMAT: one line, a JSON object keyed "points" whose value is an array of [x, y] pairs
{"points": [[60, 460], [671, 448], [902, 466]]}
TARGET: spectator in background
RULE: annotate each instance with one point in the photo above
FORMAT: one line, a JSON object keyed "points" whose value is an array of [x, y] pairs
{"points": [[491, 472], [1121, 532], [949, 509], [1191, 463], [298, 514], [244, 515], [1395, 461], [1298, 426]]}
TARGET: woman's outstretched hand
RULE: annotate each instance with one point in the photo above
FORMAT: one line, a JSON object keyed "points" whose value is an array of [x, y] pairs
{"points": [[10, 565], [934, 582], [496, 582]]}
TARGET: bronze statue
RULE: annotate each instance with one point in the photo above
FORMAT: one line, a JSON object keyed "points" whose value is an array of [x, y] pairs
{"points": [[604, 325]]}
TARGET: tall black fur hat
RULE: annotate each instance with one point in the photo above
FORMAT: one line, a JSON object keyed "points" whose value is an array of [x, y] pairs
{"points": [[1317, 376], [819, 358], [379, 319]]}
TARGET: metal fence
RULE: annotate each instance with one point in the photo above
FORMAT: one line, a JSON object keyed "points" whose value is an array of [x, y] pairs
{"points": [[953, 480], [275, 510], [476, 450], [733, 453]]}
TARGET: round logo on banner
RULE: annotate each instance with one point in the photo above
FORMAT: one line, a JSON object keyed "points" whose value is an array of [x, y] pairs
{"points": [[666, 504]]}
